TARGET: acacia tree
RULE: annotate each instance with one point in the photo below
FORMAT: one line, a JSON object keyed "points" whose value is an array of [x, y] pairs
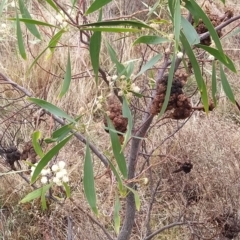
{"points": [[192, 31]]}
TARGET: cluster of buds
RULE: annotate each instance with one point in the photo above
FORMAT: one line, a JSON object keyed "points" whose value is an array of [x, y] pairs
{"points": [[125, 85], [57, 173]]}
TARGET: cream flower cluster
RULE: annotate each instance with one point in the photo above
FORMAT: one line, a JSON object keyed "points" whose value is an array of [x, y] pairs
{"points": [[57, 173], [125, 86]]}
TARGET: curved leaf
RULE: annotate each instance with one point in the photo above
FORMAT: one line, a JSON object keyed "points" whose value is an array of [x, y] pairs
{"points": [[117, 151], [214, 83], [150, 40], [51, 108], [111, 29], [197, 72], [197, 12], [132, 23], [20, 39], [226, 86], [25, 14], [149, 64], [116, 215], [127, 113], [189, 31], [219, 56], [97, 4], [88, 181], [136, 198], [169, 87], [47, 158], [35, 194], [32, 21], [94, 48], [35, 140], [67, 78]]}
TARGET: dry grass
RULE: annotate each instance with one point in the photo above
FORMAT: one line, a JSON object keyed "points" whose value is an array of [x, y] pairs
{"points": [[210, 143]]}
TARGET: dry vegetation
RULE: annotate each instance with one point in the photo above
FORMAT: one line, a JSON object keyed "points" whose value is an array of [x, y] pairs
{"points": [[208, 196]]}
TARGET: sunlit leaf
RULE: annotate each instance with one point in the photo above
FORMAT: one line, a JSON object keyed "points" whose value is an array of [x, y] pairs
{"points": [[67, 78], [51, 108], [177, 22], [226, 86], [117, 151], [25, 14], [117, 207], [20, 39], [149, 64], [47, 158], [54, 40], [88, 181], [150, 40], [36, 136], [35, 194], [97, 4]]}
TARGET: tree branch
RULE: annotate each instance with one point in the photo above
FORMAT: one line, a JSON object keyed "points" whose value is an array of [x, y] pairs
{"points": [[219, 27]]}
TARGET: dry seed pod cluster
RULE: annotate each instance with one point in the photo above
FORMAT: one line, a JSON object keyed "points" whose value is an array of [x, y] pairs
{"points": [[114, 109], [178, 102]]}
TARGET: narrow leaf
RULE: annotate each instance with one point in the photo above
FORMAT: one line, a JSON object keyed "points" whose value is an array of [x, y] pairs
{"points": [[53, 5], [94, 48], [136, 198], [226, 86], [219, 56], [88, 181], [35, 140], [132, 23], [197, 71], [32, 21], [67, 78], [97, 4], [127, 113], [150, 40], [53, 42], [177, 22], [116, 147], [214, 83], [111, 29], [67, 189], [35, 194], [25, 14], [149, 64], [47, 158], [169, 86], [116, 215], [198, 12], [51, 108], [189, 31], [20, 39]]}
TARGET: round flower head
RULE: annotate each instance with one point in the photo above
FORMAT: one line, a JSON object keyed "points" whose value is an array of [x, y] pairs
{"points": [[55, 168], [45, 171], [114, 77], [179, 55], [44, 180], [65, 179], [61, 165]]}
